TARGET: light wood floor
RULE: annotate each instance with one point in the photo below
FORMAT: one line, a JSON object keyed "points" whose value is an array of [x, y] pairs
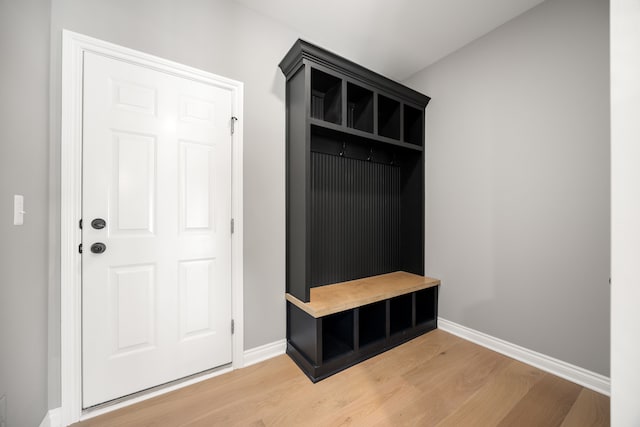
{"points": [[436, 379]]}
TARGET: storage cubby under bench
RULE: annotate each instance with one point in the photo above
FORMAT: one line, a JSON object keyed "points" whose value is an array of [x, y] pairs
{"points": [[355, 212], [348, 322]]}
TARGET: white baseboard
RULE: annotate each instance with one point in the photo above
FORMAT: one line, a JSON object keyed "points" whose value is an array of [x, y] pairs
{"points": [[52, 418], [583, 377], [264, 352]]}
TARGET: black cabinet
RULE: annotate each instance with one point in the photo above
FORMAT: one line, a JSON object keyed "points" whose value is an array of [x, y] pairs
{"points": [[355, 197]]}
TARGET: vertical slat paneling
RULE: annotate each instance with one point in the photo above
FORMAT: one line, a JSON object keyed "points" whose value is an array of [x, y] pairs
{"points": [[355, 218]]}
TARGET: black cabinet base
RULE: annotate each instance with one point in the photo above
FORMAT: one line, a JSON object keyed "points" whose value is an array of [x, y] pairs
{"points": [[316, 373], [303, 353]]}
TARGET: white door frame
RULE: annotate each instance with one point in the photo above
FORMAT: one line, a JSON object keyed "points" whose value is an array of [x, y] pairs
{"points": [[73, 47]]}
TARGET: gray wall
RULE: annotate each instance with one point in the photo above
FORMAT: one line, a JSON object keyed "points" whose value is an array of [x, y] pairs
{"points": [[518, 182], [24, 116]]}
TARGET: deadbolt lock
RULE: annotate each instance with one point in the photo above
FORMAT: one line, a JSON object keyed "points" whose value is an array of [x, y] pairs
{"points": [[98, 223], [98, 248]]}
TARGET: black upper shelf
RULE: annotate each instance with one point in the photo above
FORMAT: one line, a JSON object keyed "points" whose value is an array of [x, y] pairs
{"points": [[303, 50], [362, 134]]}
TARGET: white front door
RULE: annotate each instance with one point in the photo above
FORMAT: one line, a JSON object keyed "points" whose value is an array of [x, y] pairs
{"points": [[156, 302]]}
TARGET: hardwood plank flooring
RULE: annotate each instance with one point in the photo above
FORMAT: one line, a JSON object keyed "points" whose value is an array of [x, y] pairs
{"points": [[547, 403], [590, 410], [436, 379]]}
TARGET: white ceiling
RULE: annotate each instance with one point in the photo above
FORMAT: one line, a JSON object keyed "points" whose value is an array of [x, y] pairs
{"points": [[396, 38]]}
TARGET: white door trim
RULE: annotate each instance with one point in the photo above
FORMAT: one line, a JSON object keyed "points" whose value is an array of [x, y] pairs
{"points": [[73, 47]]}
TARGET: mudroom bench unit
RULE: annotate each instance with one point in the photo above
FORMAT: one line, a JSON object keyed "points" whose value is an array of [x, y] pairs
{"points": [[345, 323], [355, 212]]}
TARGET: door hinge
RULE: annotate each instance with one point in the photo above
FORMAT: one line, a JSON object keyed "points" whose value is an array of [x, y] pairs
{"points": [[233, 226], [233, 326], [80, 248], [234, 119], [80, 224]]}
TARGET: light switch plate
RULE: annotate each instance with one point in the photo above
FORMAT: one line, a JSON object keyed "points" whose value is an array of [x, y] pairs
{"points": [[18, 209]]}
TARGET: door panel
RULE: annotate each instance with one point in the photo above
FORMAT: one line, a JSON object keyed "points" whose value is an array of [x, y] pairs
{"points": [[197, 186], [134, 186], [156, 305], [132, 302], [197, 291]]}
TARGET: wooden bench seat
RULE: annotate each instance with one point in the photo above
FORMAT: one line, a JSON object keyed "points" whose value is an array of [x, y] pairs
{"points": [[330, 299]]}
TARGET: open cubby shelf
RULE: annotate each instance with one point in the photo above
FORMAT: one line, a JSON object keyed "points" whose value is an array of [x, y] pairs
{"points": [[355, 212], [326, 97], [401, 314], [372, 323], [326, 104], [388, 117], [426, 305], [413, 126], [337, 336], [359, 108]]}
